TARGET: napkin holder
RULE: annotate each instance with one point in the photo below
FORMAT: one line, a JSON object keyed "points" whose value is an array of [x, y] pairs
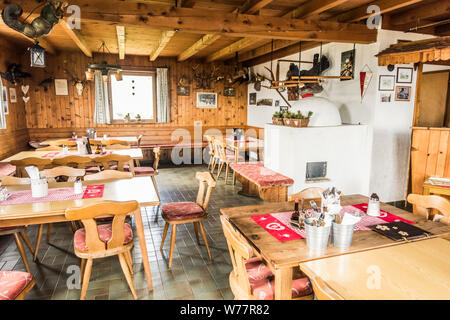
{"points": [[81, 147], [39, 188]]}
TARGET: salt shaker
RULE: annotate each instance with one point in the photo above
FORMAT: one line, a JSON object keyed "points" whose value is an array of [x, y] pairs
{"points": [[374, 206], [78, 186]]}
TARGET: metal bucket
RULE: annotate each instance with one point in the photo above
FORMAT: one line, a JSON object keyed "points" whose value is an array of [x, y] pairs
{"points": [[316, 237], [342, 234]]}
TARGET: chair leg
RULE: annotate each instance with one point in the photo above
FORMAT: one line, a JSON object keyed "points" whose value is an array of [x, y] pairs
{"points": [[74, 226], [172, 243], [227, 170], [196, 231], [156, 187], [38, 241], [27, 241], [49, 232], [166, 227], [126, 272], [219, 170], [22, 251], [86, 277], [82, 268], [202, 231], [129, 261]]}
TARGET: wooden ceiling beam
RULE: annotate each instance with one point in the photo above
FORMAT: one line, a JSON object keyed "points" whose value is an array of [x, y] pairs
{"points": [[163, 41], [230, 51], [253, 6], [313, 8], [443, 30], [198, 46], [425, 11], [186, 3], [385, 6], [120, 30], [76, 37]]}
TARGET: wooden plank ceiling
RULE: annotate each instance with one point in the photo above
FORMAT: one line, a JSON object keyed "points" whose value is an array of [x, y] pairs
{"points": [[216, 30]]}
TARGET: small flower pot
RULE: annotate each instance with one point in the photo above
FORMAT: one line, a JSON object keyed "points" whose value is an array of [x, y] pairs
{"points": [[305, 122], [287, 122], [296, 123]]}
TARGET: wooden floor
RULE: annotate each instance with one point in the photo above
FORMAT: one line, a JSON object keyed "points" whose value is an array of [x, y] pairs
{"points": [[192, 275]]}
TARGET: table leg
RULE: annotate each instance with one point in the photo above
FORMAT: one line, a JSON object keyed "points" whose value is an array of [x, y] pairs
{"points": [[143, 245], [283, 283]]}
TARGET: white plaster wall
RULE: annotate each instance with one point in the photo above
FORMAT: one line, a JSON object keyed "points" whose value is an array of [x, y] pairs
{"points": [[386, 156]]}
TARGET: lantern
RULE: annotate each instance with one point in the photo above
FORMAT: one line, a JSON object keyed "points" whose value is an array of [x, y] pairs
{"points": [[89, 74], [37, 55]]}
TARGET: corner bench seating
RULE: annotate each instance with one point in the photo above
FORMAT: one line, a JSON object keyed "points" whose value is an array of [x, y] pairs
{"points": [[262, 182], [166, 149]]}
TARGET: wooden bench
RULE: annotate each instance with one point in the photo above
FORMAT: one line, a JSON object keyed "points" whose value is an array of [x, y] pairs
{"points": [[259, 181], [167, 148]]}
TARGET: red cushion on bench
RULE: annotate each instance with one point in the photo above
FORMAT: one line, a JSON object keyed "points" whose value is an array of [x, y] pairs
{"points": [[12, 283], [174, 144], [7, 169], [260, 175]]}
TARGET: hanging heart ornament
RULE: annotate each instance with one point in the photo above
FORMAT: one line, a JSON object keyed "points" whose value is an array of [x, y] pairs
{"points": [[25, 99], [25, 89]]}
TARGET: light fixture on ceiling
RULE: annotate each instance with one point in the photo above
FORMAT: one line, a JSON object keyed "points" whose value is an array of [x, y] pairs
{"points": [[105, 68]]}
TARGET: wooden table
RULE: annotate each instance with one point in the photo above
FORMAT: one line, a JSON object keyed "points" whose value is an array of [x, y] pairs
{"points": [[129, 140], [415, 270], [140, 189], [429, 188], [282, 257], [134, 153]]}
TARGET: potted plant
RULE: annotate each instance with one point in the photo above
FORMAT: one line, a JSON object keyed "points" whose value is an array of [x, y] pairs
{"points": [[305, 120], [127, 117], [286, 118], [138, 117], [297, 119], [277, 118]]}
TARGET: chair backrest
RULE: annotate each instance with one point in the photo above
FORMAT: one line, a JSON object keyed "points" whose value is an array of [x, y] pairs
{"points": [[63, 171], [207, 183], [424, 204], [95, 142], [240, 251], [118, 146], [40, 163], [139, 139], [14, 181], [51, 148], [88, 214], [109, 142], [108, 174], [219, 149], [115, 159], [210, 140], [157, 152], [73, 161], [64, 142], [323, 291], [308, 193]]}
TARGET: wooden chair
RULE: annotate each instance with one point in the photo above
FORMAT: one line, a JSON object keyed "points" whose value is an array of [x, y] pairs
{"points": [[95, 142], [308, 193], [118, 147], [223, 157], [60, 143], [210, 140], [176, 213], [80, 162], [149, 171], [251, 278], [31, 161], [99, 241], [108, 174], [115, 162], [14, 181], [15, 285], [110, 142], [51, 148], [139, 140], [425, 204], [51, 174], [323, 291]]}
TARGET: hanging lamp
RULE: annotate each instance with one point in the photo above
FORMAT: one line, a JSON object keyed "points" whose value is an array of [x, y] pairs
{"points": [[105, 68]]}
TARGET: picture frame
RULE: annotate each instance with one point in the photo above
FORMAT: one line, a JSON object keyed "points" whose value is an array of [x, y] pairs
{"points": [[265, 102], [5, 100], [61, 87], [386, 83], [404, 75], [252, 98], [12, 95], [206, 100], [183, 91], [386, 97], [229, 92], [348, 64], [402, 93]]}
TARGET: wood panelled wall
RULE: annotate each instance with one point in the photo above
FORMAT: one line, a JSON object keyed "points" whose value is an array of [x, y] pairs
{"points": [[49, 115], [15, 137], [430, 155]]}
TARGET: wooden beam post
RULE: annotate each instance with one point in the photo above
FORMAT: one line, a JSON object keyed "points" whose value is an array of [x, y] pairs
{"points": [[417, 98], [165, 38], [253, 6], [76, 37], [120, 30]]}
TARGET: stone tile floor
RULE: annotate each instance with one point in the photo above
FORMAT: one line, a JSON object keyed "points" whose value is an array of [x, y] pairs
{"points": [[192, 275]]}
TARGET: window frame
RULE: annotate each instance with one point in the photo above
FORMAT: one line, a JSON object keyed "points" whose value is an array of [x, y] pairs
{"points": [[129, 72]]}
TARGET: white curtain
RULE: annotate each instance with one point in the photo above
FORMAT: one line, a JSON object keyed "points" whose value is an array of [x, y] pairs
{"points": [[102, 114], [2, 108], [162, 95]]}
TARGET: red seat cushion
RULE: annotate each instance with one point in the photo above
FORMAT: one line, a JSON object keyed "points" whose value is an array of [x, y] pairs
{"points": [[182, 210], [92, 169], [143, 170], [104, 233], [12, 283], [262, 281], [260, 175], [7, 169]]}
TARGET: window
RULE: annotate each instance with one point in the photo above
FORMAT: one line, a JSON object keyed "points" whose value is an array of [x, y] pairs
{"points": [[134, 95], [3, 105]]}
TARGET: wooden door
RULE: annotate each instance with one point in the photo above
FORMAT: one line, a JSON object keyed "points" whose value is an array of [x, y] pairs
{"points": [[433, 99]]}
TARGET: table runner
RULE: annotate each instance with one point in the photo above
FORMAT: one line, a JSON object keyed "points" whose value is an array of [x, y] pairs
{"points": [[57, 154], [278, 224], [54, 194]]}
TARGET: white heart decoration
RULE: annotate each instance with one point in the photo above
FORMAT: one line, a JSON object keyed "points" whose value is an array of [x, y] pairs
{"points": [[25, 99], [25, 89]]}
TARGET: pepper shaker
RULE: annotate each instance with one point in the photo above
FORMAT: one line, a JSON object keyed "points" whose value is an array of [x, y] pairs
{"points": [[374, 206]]}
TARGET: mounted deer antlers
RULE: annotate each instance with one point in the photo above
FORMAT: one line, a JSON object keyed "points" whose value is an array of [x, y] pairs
{"points": [[77, 82], [204, 79]]}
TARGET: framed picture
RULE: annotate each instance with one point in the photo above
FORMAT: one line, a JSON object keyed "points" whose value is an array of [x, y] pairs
{"points": [[277, 103], [12, 95], [386, 83], [402, 93], [61, 88], [5, 100], [183, 91], [265, 102], [206, 100], [229, 92], [386, 97], [404, 75], [348, 64], [252, 98]]}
